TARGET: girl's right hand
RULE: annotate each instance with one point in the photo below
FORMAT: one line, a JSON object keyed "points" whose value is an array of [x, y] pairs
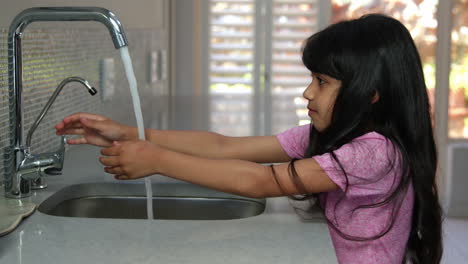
{"points": [[94, 129]]}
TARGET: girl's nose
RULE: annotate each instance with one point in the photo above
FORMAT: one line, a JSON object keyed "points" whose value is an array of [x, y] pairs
{"points": [[308, 93]]}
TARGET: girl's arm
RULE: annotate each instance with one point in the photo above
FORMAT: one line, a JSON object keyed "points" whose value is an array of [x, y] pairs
{"points": [[261, 149], [131, 160], [101, 131]]}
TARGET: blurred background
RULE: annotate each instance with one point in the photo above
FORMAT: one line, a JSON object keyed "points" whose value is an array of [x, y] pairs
{"points": [[250, 66]]}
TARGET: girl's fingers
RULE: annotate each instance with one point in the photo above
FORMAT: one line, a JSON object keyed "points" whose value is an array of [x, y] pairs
{"points": [[76, 119], [71, 119], [121, 177], [77, 116], [64, 126], [71, 131], [76, 125], [69, 128], [109, 161], [90, 123], [77, 141], [112, 151], [114, 170], [60, 126]]}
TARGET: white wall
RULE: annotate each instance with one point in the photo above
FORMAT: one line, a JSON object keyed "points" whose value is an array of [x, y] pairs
{"points": [[457, 180], [189, 63]]}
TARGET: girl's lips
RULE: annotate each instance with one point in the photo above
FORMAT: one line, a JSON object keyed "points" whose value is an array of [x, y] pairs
{"points": [[311, 112]]}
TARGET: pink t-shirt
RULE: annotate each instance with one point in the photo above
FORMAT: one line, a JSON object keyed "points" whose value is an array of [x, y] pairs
{"points": [[373, 172]]}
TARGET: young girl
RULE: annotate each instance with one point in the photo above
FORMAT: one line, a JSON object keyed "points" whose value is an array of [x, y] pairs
{"points": [[369, 153]]}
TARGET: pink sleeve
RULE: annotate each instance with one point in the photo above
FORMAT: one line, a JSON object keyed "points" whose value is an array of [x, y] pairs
{"points": [[369, 162], [295, 141]]}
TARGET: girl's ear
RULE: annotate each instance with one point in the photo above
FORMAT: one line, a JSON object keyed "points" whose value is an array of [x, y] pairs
{"points": [[375, 98]]}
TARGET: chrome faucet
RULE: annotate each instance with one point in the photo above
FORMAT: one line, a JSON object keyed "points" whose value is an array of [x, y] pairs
{"points": [[34, 167], [48, 163], [18, 174]]}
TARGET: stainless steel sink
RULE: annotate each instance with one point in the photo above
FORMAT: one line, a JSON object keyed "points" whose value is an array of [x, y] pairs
{"points": [[178, 201]]}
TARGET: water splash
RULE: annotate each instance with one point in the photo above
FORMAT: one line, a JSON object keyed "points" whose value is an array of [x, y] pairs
{"points": [[127, 62]]}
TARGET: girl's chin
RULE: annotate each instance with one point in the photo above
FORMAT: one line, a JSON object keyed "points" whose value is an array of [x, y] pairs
{"points": [[318, 127]]}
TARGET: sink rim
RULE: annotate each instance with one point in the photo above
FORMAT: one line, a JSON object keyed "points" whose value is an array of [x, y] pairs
{"points": [[137, 190], [170, 189]]}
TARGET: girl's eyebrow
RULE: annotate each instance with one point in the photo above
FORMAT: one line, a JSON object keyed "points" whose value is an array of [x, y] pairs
{"points": [[321, 75], [316, 74]]}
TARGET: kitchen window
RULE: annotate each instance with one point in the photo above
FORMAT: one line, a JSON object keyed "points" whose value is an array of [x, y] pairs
{"points": [[256, 77], [458, 79]]}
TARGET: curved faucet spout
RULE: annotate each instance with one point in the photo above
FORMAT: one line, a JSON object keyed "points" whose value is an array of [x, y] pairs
{"points": [[99, 14], [39, 118]]}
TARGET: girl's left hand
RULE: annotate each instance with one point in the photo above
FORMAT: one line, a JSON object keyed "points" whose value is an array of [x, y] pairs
{"points": [[131, 159]]}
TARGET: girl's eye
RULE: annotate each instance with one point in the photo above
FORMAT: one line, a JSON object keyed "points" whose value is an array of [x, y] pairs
{"points": [[321, 81]]}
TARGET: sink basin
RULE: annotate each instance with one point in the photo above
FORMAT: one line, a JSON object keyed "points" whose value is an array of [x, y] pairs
{"points": [[177, 201]]}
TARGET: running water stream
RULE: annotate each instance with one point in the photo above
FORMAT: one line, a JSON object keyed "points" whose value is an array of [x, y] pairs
{"points": [[127, 62]]}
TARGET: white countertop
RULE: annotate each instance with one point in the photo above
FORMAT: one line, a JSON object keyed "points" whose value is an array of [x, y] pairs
{"points": [[276, 236]]}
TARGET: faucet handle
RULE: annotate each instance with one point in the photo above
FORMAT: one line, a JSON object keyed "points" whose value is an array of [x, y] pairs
{"points": [[29, 174], [52, 164], [59, 156]]}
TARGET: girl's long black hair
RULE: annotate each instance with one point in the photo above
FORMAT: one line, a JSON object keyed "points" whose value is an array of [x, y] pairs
{"points": [[375, 55]]}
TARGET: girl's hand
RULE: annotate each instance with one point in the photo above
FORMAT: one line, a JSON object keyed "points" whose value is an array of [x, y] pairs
{"points": [[94, 129], [131, 159]]}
